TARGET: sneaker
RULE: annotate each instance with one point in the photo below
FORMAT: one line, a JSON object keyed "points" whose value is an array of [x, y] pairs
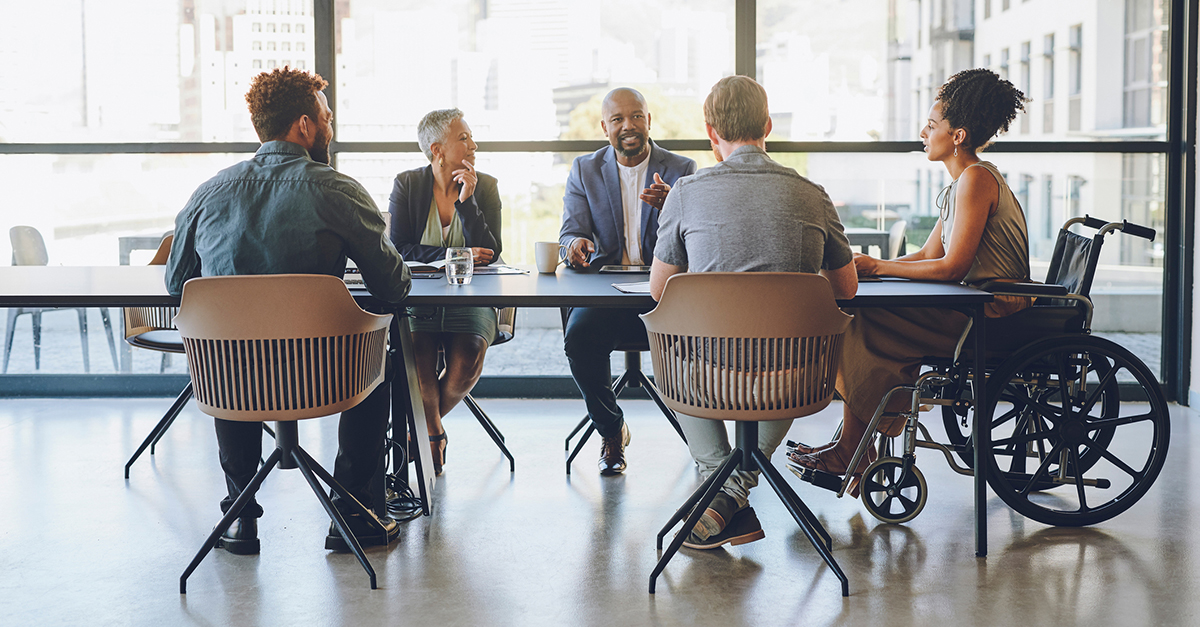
{"points": [[365, 531], [742, 529]]}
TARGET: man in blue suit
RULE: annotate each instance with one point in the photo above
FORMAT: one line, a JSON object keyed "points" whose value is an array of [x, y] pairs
{"points": [[610, 216]]}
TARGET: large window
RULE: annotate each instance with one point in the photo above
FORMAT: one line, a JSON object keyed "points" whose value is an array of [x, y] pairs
{"points": [[103, 134]]}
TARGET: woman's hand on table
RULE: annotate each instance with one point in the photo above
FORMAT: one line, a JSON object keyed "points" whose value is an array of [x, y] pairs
{"points": [[467, 178], [482, 256]]}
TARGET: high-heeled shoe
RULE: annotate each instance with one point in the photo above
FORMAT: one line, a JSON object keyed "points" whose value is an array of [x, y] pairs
{"points": [[439, 451], [830, 460]]}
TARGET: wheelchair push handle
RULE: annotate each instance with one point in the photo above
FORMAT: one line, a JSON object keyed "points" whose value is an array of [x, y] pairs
{"points": [[1137, 230], [1125, 226]]}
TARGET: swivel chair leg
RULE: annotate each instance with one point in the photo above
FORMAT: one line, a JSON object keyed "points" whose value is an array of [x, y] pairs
{"points": [[235, 510], [617, 387], [657, 398], [708, 490], [162, 426], [812, 527], [303, 462], [490, 428]]}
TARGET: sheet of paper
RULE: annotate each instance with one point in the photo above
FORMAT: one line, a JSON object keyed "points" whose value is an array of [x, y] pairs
{"points": [[642, 287]]}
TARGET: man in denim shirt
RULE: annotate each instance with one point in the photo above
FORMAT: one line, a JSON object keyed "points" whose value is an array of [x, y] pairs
{"points": [[285, 211]]}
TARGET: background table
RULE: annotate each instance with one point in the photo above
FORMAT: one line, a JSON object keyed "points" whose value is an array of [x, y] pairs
{"points": [[124, 286], [870, 237]]}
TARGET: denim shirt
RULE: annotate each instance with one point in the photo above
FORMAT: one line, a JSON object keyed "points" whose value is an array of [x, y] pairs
{"points": [[283, 213]]}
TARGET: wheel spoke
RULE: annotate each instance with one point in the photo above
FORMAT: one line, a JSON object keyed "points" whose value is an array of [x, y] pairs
{"points": [[1041, 469], [1095, 395], [1116, 461], [1120, 420], [1074, 457], [1023, 438]]}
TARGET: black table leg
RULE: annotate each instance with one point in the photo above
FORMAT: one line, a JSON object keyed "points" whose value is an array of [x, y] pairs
{"points": [[982, 433]]}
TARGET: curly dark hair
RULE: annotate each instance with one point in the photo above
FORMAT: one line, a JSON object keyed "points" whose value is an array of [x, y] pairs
{"points": [[982, 103], [279, 97]]}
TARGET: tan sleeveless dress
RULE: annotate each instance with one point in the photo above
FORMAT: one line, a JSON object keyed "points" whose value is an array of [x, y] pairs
{"points": [[883, 347]]}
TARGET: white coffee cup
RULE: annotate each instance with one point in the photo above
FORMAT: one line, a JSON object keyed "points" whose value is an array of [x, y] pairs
{"points": [[547, 256]]}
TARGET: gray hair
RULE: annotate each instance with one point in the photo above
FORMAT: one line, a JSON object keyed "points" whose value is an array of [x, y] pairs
{"points": [[433, 127]]}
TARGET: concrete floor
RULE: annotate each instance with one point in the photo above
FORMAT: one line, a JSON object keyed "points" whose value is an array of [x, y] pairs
{"points": [[81, 545]]}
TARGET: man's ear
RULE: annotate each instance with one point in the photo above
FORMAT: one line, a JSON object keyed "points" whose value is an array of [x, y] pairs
{"points": [[647, 120], [767, 130], [712, 133], [604, 128]]}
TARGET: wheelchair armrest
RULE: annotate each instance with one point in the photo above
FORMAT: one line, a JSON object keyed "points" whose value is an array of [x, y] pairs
{"points": [[1023, 289]]}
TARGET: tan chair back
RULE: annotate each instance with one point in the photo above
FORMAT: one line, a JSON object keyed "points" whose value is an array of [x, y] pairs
{"points": [[151, 327], [279, 347], [506, 324], [746, 345]]}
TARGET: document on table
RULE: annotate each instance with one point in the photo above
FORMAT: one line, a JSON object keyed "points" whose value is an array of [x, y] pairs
{"points": [[499, 269], [641, 287]]}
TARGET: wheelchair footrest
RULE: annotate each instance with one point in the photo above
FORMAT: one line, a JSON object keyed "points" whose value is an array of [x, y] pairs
{"points": [[819, 478]]}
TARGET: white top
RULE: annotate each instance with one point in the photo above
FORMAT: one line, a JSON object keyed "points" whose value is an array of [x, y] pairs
{"points": [[633, 181]]}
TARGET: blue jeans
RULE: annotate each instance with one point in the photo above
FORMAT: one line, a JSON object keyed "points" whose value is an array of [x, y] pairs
{"points": [[589, 338]]}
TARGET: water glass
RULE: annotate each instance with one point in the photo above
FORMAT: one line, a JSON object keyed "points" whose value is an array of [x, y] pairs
{"points": [[460, 266]]}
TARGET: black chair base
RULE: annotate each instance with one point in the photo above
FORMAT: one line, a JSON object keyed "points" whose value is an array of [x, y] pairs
{"points": [[159, 429], [490, 427], [633, 377], [746, 456], [168, 419], [288, 454]]}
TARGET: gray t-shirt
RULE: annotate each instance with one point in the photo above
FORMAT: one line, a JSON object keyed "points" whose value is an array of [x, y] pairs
{"points": [[750, 214]]}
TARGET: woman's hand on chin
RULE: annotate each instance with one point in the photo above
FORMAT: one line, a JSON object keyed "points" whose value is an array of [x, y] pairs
{"points": [[865, 265]]}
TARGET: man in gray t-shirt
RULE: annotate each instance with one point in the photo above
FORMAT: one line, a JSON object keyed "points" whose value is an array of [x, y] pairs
{"points": [[745, 214]]}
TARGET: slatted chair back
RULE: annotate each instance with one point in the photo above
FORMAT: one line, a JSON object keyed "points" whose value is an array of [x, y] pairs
{"points": [[152, 327], [746, 346], [506, 325], [279, 347]]}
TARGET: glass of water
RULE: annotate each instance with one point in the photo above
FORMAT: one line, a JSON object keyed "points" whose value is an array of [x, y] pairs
{"points": [[460, 266]]}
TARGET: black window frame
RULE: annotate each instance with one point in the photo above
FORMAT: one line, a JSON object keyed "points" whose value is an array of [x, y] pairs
{"points": [[1179, 148]]}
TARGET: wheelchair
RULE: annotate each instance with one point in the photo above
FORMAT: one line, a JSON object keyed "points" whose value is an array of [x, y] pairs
{"points": [[1065, 450]]}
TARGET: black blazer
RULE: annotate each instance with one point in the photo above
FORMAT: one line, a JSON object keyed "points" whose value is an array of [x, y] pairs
{"points": [[412, 195]]}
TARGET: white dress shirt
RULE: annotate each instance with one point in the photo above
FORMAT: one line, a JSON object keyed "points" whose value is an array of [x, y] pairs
{"points": [[633, 181]]}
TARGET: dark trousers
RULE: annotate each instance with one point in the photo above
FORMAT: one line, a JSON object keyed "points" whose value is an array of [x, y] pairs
{"points": [[590, 337], [360, 449]]}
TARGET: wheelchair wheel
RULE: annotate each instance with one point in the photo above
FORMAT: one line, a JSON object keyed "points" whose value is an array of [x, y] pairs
{"points": [[1055, 415], [889, 498], [1015, 392]]}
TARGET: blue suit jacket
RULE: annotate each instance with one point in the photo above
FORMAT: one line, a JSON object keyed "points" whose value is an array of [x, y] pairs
{"points": [[592, 204]]}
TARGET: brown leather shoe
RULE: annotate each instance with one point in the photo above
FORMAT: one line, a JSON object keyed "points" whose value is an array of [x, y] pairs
{"points": [[612, 453]]}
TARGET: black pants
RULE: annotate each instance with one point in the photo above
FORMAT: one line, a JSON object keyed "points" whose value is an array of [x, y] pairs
{"points": [[590, 337], [360, 448]]}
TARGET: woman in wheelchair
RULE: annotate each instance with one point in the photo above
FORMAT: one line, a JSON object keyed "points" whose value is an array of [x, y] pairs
{"points": [[981, 236], [446, 203]]}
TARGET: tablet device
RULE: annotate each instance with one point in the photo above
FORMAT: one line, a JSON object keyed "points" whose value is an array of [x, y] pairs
{"points": [[607, 269]]}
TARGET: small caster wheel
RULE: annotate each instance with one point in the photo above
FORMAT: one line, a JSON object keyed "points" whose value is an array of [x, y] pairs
{"points": [[888, 498]]}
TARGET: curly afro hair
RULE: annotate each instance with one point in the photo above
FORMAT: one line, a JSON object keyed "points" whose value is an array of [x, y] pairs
{"points": [[279, 97], [982, 103]]}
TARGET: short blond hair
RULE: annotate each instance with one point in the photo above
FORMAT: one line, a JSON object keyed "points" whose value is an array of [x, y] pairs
{"points": [[736, 108]]}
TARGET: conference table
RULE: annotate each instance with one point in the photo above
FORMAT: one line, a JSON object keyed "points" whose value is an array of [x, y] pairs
{"points": [[130, 286]]}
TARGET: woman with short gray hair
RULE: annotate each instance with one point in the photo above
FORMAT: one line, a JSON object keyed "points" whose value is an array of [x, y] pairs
{"points": [[442, 205]]}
